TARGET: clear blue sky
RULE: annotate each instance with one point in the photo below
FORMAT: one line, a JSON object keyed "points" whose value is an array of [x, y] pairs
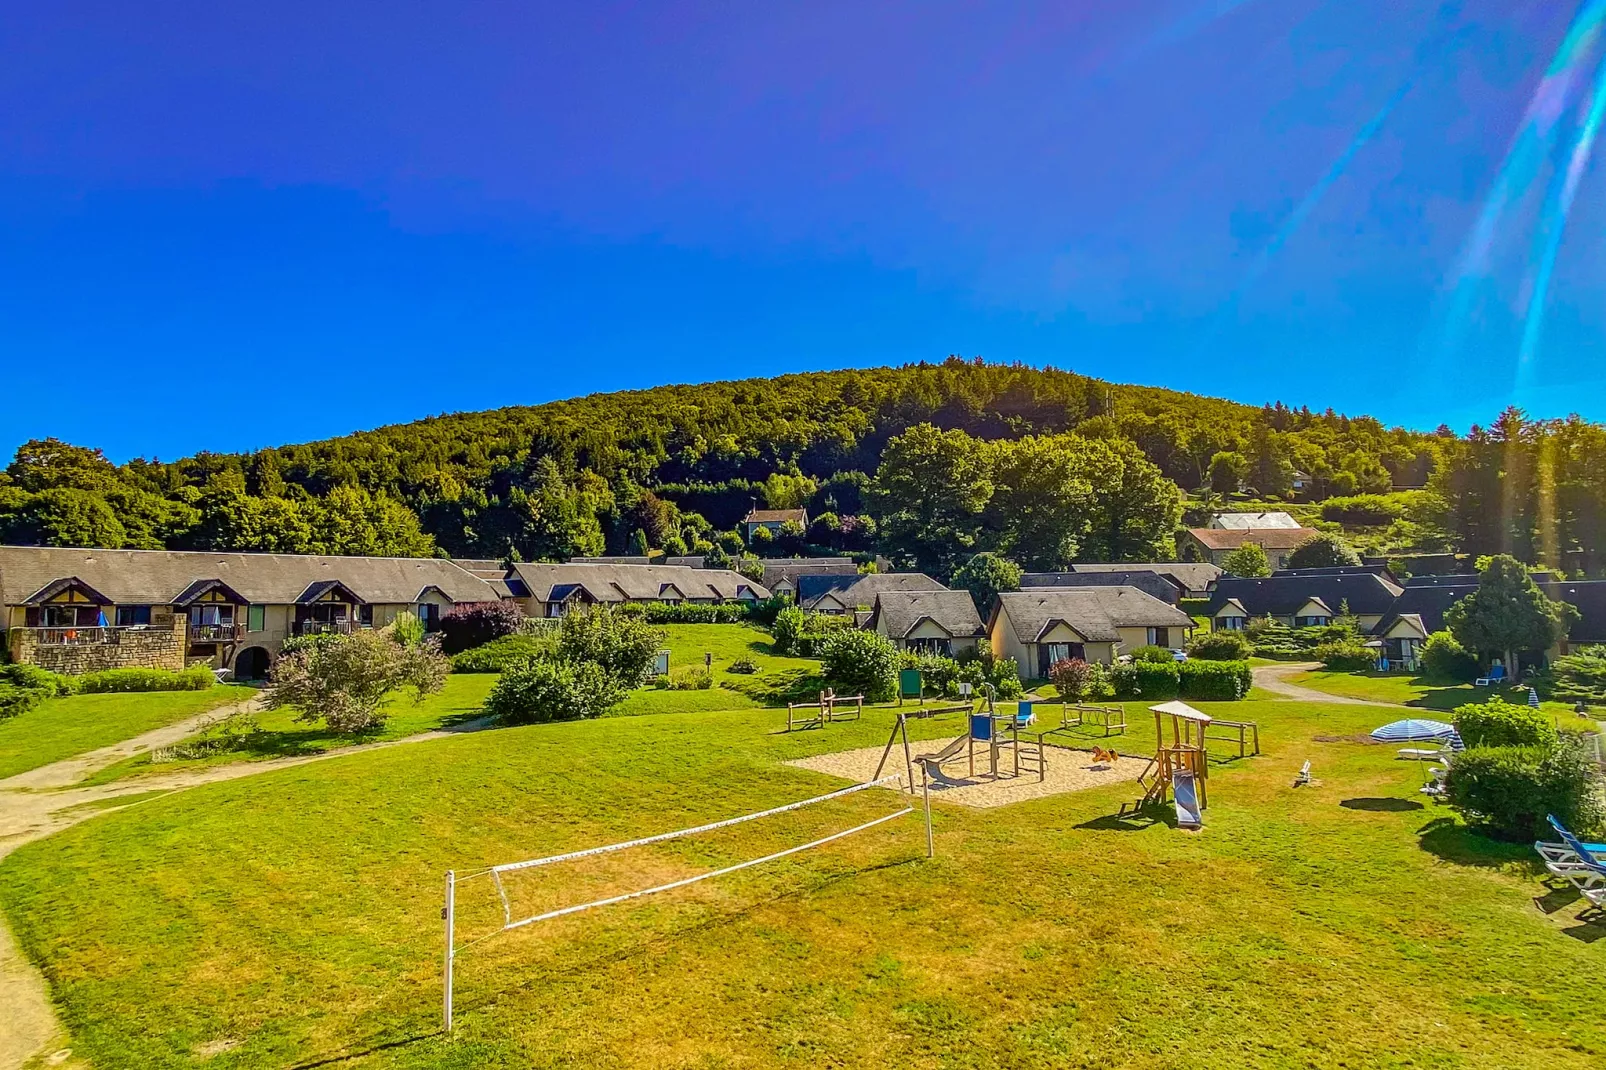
{"points": [[231, 226]]}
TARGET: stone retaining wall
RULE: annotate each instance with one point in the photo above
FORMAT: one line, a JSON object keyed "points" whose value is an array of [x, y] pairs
{"points": [[124, 648]]}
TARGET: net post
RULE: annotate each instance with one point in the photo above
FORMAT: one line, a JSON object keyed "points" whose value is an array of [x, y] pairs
{"points": [[449, 915], [925, 791]]}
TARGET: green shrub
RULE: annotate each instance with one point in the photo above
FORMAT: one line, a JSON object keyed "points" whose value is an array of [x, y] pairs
{"points": [[858, 662], [1157, 654], [407, 629], [1498, 723], [198, 678], [696, 612], [549, 690], [742, 667], [1145, 679], [801, 634], [33, 678], [1221, 646], [474, 624], [1220, 681], [500, 655], [1003, 675], [1446, 660], [624, 645], [16, 700], [1507, 791], [1368, 510], [1072, 678], [690, 678], [1345, 655], [1580, 676]]}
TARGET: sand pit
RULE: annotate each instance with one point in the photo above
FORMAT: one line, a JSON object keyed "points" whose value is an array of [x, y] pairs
{"points": [[1065, 770]]}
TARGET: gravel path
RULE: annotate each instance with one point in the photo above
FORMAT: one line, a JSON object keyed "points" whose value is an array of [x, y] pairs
{"points": [[30, 810], [1273, 678], [1064, 770]]}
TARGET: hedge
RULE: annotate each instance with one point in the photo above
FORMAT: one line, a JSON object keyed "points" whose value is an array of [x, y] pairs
{"points": [[473, 624], [1221, 646], [198, 678], [696, 612], [1347, 655], [1507, 791], [1214, 681], [1498, 723], [1145, 679], [500, 655]]}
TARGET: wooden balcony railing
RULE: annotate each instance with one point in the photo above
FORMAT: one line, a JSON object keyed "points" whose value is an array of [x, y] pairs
{"points": [[326, 627], [82, 636], [216, 633]]}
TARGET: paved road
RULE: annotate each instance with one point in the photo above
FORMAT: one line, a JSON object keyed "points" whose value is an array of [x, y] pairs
{"points": [[40, 803]]}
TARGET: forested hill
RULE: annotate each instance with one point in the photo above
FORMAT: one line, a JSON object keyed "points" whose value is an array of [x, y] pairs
{"points": [[677, 465]]}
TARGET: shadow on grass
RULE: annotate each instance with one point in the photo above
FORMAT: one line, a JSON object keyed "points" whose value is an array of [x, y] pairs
{"points": [[1448, 839], [355, 1050], [1381, 806], [1146, 818]]}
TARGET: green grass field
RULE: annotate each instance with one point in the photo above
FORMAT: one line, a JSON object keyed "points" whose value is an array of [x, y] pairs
{"points": [[1415, 691], [63, 727], [292, 919]]}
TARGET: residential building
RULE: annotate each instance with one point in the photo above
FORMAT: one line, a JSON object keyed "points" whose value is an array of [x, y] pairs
{"points": [[930, 622], [1040, 626], [1252, 521], [781, 574], [772, 519], [79, 610], [1215, 545], [1302, 598], [551, 590], [845, 594], [1150, 583], [1194, 578]]}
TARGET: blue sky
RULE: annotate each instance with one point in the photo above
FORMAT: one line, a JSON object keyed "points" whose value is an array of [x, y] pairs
{"points": [[224, 228]]}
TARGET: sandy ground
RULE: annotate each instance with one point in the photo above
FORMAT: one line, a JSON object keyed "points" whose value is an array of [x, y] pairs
{"points": [[1064, 770]]}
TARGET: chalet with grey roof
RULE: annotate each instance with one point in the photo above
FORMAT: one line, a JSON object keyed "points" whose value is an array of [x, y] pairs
{"points": [[77, 610], [1040, 626], [553, 590], [835, 594], [929, 622]]}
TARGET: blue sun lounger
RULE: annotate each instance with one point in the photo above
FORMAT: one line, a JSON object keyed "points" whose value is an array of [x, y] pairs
{"points": [[1585, 868]]}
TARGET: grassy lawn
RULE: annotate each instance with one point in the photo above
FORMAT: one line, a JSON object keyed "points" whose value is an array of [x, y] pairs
{"points": [[293, 918], [1416, 691], [281, 736], [63, 727]]}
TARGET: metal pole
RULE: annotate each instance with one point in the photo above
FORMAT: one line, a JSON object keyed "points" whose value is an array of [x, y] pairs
{"points": [[925, 790], [449, 913]]}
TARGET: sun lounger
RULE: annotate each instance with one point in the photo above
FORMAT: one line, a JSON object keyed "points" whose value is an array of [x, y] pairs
{"points": [[1586, 870], [1421, 754]]}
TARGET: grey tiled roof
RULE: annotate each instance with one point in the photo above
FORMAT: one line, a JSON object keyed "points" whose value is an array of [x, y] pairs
{"points": [[954, 611], [1095, 612]]}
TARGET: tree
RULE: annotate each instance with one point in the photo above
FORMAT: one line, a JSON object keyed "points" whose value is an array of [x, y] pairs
{"points": [[858, 662], [638, 544], [985, 575], [1323, 551], [929, 492], [341, 679], [1135, 509], [1042, 505], [1248, 561], [623, 644], [1227, 472], [1508, 613]]}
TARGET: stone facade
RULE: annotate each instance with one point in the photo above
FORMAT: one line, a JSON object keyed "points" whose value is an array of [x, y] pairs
{"points": [[121, 648]]}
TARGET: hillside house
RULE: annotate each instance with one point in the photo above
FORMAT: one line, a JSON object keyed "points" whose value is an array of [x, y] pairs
{"points": [[781, 574], [1251, 521], [1303, 598], [927, 622], [1150, 583], [1041, 626], [772, 519], [552, 590], [1215, 545], [1195, 579], [76, 610]]}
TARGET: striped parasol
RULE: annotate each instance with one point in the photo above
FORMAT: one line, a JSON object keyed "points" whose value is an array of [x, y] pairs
{"points": [[1412, 730]]}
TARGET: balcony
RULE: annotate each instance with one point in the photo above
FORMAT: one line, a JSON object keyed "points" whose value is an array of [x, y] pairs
{"points": [[325, 627], [78, 636], [216, 633]]}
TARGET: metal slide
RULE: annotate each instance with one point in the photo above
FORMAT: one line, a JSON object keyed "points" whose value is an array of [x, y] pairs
{"points": [[1182, 788]]}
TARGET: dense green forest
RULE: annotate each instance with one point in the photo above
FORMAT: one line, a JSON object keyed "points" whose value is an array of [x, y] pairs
{"points": [[1048, 465]]}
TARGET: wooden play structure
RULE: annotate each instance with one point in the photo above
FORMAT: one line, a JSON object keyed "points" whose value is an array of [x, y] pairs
{"points": [[996, 740], [1180, 768], [801, 715], [1245, 735], [1111, 720]]}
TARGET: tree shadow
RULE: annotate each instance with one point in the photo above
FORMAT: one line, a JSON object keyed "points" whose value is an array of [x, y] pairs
{"points": [[1451, 841], [1381, 806], [1146, 818], [356, 1050]]}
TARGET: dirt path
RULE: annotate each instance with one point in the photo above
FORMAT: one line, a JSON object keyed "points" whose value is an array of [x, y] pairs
{"points": [[30, 811], [1274, 678]]}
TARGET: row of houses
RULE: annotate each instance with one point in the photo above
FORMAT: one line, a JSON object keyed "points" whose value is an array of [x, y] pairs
{"points": [[1400, 615]]}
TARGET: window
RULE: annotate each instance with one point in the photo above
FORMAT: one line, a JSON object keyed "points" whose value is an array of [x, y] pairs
{"points": [[1159, 636], [932, 646], [1231, 624], [209, 616], [133, 616], [430, 614], [70, 616], [365, 616], [256, 618], [1311, 622]]}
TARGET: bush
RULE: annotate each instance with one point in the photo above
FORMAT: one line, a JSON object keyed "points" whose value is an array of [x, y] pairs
{"points": [[690, 678], [802, 635], [1498, 723], [1158, 654], [623, 644], [198, 678], [1446, 660], [1345, 655], [33, 678], [696, 612], [857, 662], [1507, 791], [18, 700], [1323, 551], [1145, 679], [1579, 676], [1221, 646], [788, 629], [742, 667], [500, 655], [477, 623], [548, 690], [1003, 675], [1072, 677], [1215, 681], [1366, 510], [341, 682], [407, 629]]}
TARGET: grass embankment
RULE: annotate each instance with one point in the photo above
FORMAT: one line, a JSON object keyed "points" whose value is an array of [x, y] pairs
{"points": [[63, 727], [1407, 690], [280, 735], [294, 917]]}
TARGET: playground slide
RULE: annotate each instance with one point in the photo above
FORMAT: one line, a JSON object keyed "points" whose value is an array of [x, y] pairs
{"points": [[1187, 797], [947, 754]]}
